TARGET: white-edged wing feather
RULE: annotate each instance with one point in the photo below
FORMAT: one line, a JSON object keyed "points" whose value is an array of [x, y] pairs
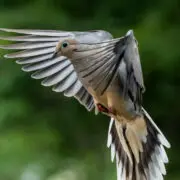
{"points": [[35, 55]]}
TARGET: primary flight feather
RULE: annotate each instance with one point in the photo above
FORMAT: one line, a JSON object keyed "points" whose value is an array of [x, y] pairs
{"points": [[101, 73]]}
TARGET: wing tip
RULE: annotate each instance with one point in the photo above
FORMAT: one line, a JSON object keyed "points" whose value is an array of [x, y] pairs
{"points": [[45, 84], [4, 29], [19, 62], [3, 46], [130, 33], [24, 69], [8, 56], [55, 89], [35, 75]]}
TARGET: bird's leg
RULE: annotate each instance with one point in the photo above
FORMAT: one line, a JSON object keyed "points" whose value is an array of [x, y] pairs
{"points": [[101, 108], [105, 104]]}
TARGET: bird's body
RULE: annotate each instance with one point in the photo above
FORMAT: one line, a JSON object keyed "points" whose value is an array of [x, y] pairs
{"points": [[104, 73], [113, 101], [112, 98]]}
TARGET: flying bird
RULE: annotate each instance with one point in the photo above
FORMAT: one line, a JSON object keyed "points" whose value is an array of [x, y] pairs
{"points": [[102, 73]]}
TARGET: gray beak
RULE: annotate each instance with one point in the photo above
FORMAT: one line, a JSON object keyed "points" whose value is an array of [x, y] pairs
{"points": [[55, 54]]}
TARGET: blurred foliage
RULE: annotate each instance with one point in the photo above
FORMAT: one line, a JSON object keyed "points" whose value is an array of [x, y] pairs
{"points": [[45, 136]]}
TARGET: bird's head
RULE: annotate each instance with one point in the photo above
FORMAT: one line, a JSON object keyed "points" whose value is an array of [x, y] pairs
{"points": [[65, 48]]}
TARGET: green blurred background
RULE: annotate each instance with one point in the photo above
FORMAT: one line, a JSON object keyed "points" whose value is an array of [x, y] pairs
{"points": [[45, 136]]}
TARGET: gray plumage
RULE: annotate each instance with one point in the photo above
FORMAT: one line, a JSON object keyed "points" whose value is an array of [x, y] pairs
{"points": [[99, 67], [38, 47]]}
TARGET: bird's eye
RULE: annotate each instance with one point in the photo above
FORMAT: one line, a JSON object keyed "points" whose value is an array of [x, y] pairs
{"points": [[64, 44]]}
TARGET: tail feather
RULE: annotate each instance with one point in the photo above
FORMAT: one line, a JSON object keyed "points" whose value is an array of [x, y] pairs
{"points": [[161, 136], [139, 149]]}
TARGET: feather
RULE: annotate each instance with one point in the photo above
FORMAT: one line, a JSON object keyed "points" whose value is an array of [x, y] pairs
{"points": [[161, 136], [113, 151], [109, 141], [62, 75], [133, 143], [119, 170], [71, 91], [30, 38], [35, 45], [66, 83], [29, 53], [148, 157], [39, 32], [58, 77], [80, 97], [36, 59], [53, 69], [122, 140], [81, 94], [97, 64], [37, 49], [40, 65], [163, 154], [85, 98]]}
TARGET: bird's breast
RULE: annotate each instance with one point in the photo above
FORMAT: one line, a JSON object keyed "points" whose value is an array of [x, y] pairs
{"points": [[112, 100]]}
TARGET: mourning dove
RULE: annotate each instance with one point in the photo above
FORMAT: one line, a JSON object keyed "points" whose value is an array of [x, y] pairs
{"points": [[104, 73]]}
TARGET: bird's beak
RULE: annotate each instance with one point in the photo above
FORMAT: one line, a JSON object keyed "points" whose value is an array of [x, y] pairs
{"points": [[56, 53]]}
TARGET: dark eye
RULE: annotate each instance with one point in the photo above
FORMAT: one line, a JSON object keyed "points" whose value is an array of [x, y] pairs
{"points": [[64, 44]]}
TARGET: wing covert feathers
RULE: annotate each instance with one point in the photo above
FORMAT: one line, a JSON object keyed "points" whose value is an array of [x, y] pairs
{"points": [[97, 64]]}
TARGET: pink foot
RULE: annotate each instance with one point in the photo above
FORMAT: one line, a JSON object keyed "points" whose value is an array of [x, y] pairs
{"points": [[101, 108]]}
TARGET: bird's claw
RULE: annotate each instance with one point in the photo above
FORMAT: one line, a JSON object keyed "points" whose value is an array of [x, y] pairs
{"points": [[105, 110], [101, 108]]}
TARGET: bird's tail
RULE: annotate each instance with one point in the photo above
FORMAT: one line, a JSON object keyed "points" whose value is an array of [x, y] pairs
{"points": [[138, 147]]}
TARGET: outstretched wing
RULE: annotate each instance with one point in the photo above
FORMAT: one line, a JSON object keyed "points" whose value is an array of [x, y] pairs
{"points": [[98, 64], [130, 72], [35, 50]]}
